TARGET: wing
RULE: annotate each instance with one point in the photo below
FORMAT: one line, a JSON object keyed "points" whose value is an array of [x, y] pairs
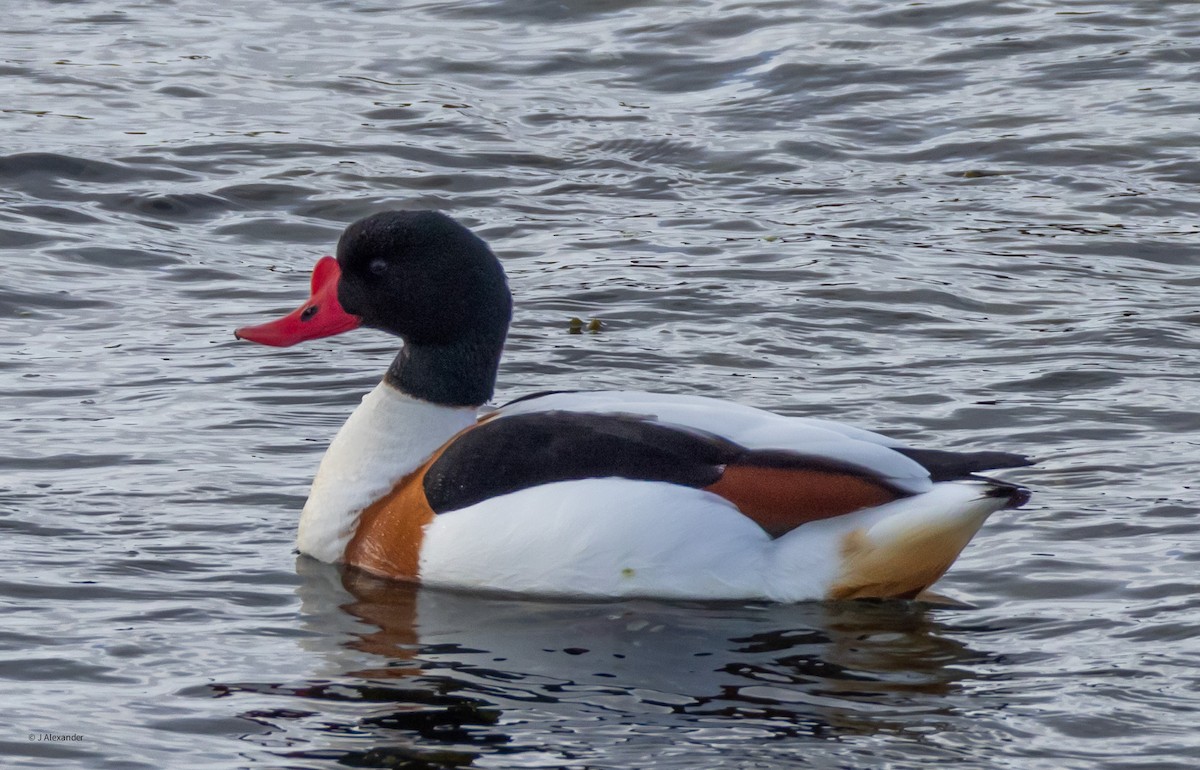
{"points": [[821, 443], [821, 471]]}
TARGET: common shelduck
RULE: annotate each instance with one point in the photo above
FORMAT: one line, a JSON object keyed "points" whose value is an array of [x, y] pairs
{"points": [[600, 494]]}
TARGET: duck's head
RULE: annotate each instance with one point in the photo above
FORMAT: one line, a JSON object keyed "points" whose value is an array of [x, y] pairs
{"points": [[417, 274]]}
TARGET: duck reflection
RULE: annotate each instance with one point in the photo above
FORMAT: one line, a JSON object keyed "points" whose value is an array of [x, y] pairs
{"points": [[815, 670]]}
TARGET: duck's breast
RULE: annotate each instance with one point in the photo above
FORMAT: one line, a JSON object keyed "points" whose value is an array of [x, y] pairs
{"points": [[387, 437]]}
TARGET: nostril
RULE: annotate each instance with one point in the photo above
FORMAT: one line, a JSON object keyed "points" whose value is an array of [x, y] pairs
{"points": [[309, 312]]}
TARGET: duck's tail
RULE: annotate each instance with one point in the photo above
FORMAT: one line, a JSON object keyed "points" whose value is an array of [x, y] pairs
{"points": [[912, 542]]}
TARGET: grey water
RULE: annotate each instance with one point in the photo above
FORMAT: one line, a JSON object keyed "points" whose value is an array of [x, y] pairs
{"points": [[966, 224]]}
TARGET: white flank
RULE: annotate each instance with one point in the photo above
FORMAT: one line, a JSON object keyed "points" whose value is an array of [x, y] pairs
{"points": [[599, 537], [387, 437]]}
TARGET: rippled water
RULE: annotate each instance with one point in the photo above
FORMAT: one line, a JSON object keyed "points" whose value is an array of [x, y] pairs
{"points": [[968, 224]]}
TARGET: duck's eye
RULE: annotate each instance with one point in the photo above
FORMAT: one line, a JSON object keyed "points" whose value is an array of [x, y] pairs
{"points": [[378, 266], [309, 312]]}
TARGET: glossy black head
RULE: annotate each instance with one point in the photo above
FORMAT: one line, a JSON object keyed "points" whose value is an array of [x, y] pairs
{"points": [[423, 276]]}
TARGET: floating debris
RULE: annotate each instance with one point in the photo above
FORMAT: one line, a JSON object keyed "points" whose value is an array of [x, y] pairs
{"points": [[578, 325]]}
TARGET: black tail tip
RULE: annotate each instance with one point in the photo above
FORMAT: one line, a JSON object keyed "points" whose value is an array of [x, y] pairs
{"points": [[1014, 496]]}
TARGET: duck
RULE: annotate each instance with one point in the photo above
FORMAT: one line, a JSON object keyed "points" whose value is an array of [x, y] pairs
{"points": [[597, 494]]}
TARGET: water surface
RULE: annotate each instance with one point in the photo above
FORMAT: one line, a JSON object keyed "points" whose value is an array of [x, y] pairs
{"points": [[966, 224]]}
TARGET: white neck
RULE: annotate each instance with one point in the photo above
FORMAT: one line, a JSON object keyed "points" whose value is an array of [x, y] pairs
{"points": [[387, 437]]}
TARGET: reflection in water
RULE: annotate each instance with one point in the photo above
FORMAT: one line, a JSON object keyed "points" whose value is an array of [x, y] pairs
{"points": [[441, 677]]}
